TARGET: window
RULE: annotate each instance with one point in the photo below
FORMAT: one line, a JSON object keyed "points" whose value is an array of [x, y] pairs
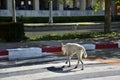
{"points": [[3, 4], [72, 5], [88, 4], [44, 4], [24, 5], [55, 4]]}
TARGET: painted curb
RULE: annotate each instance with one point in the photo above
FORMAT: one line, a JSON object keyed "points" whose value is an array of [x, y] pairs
{"points": [[32, 52], [51, 49], [3, 55], [89, 46], [106, 45], [24, 53], [118, 44]]}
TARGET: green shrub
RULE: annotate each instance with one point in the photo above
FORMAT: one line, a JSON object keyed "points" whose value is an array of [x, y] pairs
{"points": [[62, 19], [11, 32], [58, 19], [67, 36], [35, 19], [5, 19]]}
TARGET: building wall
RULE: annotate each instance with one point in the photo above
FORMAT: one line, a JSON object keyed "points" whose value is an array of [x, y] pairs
{"points": [[81, 11]]}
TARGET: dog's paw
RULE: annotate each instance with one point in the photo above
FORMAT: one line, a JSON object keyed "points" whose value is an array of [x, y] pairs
{"points": [[63, 67], [82, 69], [75, 67]]}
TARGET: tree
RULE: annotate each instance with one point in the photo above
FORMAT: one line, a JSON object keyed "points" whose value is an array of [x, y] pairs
{"points": [[14, 11], [107, 22], [50, 11], [108, 6], [107, 14]]}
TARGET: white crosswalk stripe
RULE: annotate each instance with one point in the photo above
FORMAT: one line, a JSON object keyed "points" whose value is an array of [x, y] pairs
{"points": [[14, 72], [105, 78], [23, 68]]}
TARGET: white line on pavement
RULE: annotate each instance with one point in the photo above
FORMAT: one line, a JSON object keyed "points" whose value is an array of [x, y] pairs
{"points": [[105, 78], [23, 68], [52, 74]]}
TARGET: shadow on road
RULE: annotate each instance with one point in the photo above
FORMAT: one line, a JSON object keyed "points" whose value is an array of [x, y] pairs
{"points": [[62, 69]]}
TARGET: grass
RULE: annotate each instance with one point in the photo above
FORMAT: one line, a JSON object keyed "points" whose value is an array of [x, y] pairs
{"points": [[75, 35]]}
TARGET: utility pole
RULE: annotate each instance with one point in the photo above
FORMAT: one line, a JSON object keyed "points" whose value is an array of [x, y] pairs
{"points": [[113, 10], [14, 11], [50, 12]]}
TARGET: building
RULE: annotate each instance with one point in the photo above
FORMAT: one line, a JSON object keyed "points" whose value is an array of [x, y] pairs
{"points": [[41, 8]]}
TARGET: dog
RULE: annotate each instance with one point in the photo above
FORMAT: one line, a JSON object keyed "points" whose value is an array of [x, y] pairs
{"points": [[71, 49]]}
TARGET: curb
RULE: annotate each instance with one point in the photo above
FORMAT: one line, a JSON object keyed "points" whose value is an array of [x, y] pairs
{"points": [[3, 55], [32, 52]]}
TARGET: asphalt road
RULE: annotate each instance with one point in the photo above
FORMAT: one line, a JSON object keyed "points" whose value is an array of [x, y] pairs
{"points": [[105, 65], [53, 71]]}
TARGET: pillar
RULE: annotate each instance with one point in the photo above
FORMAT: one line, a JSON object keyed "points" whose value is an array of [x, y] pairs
{"points": [[36, 5], [83, 4]]}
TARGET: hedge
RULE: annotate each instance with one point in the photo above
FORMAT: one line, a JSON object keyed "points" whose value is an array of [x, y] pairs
{"points": [[11, 32], [67, 36], [60, 19]]}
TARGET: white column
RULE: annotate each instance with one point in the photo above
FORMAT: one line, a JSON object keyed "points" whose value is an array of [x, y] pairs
{"points": [[14, 11], [36, 5], [83, 4], [92, 3], [60, 7], [9, 7], [51, 12]]}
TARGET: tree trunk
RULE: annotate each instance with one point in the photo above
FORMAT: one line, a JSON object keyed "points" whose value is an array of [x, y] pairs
{"points": [[14, 11], [50, 12], [107, 23]]}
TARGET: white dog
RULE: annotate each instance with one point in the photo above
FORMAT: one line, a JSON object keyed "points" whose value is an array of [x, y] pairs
{"points": [[71, 49]]}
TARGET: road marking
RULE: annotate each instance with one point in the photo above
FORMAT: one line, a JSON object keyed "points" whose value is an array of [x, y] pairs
{"points": [[105, 78], [52, 74], [24, 68]]}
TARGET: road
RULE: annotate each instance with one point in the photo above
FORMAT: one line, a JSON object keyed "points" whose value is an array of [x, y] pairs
{"points": [[95, 69], [54, 71]]}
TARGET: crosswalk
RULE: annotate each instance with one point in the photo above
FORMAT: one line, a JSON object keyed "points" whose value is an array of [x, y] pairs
{"points": [[106, 78], [54, 71]]}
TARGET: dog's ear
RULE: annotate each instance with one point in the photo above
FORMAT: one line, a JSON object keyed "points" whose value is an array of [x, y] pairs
{"points": [[62, 44]]}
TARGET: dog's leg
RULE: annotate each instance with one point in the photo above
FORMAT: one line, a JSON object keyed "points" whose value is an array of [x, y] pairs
{"points": [[81, 62], [78, 56], [77, 65], [70, 56], [69, 60]]}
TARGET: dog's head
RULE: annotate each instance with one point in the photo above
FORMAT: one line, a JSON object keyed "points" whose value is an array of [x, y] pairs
{"points": [[63, 48]]}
